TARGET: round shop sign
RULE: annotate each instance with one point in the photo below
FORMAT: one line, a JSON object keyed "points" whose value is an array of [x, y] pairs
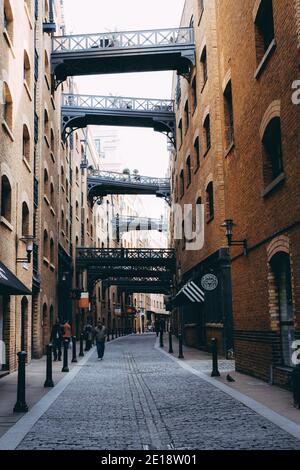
{"points": [[209, 282]]}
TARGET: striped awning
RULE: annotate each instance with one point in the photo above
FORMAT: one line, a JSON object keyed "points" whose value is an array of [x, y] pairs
{"points": [[190, 292]]}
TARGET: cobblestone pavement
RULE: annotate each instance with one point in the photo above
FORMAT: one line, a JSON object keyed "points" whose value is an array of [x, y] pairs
{"points": [[137, 398]]}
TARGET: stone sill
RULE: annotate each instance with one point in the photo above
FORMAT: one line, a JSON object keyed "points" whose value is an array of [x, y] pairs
{"points": [[52, 156], [28, 15], [265, 59], [6, 224], [46, 200], [46, 261], [52, 211], [53, 102], [274, 185], [26, 163], [206, 151], [8, 130], [47, 82], [27, 90], [229, 149], [47, 141], [196, 170], [9, 42], [203, 86]]}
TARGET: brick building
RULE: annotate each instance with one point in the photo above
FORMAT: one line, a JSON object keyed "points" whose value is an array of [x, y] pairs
{"points": [[260, 127], [197, 178]]}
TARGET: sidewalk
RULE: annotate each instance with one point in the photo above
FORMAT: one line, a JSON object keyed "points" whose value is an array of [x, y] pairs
{"points": [[35, 378], [271, 396]]}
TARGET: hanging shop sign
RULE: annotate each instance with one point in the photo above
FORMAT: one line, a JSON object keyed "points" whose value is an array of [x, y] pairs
{"points": [[209, 282], [84, 300]]}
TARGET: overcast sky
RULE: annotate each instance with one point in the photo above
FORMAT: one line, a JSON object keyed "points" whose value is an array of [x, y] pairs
{"points": [[143, 149]]}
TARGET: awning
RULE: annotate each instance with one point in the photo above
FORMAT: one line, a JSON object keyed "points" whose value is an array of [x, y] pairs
{"points": [[10, 284], [190, 292]]}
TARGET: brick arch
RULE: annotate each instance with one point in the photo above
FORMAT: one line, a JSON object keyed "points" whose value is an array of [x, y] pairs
{"points": [[209, 179], [272, 112], [255, 9], [25, 198], [277, 245], [198, 194], [226, 79]]}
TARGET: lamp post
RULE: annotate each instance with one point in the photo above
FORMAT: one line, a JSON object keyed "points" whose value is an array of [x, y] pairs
{"points": [[228, 224], [29, 240]]}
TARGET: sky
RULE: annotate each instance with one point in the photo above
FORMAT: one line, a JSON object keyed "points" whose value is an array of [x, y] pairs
{"points": [[143, 149]]}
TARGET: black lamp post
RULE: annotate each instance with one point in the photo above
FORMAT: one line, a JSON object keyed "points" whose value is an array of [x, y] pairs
{"points": [[228, 224]]}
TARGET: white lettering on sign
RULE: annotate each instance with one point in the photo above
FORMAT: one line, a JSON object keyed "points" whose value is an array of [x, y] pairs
{"points": [[2, 274]]}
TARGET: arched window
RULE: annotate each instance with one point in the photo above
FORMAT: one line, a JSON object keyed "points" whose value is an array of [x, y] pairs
{"points": [[46, 123], [207, 132], [181, 189], [62, 220], [228, 112], [264, 28], [52, 201], [77, 241], [203, 61], [8, 20], [194, 93], [8, 106], [52, 254], [46, 245], [186, 115], [67, 228], [5, 198], [77, 209], [52, 141], [62, 176], [46, 11], [26, 70], [189, 170], [46, 182], [47, 70], [281, 269], [210, 201], [197, 151], [77, 175], [272, 151], [25, 219], [26, 143]]}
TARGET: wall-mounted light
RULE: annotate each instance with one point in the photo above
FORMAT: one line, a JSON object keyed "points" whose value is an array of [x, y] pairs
{"points": [[29, 240], [228, 224]]}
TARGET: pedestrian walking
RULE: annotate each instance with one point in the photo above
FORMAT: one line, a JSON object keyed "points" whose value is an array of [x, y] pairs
{"points": [[157, 327], [100, 336], [88, 332], [56, 340], [67, 331]]}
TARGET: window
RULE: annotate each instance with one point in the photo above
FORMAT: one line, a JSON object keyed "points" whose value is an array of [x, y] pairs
{"points": [[25, 219], [228, 111], [5, 198], [77, 209], [189, 171], [280, 264], [46, 123], [52, 256], [8, 106], [8, 20], [62, 220], [210, 202], [207, 132], [26, 143], [181, 183], [197, 151], [186, 116], [180, 133], [264, 28], [45, 244], [200, 7], [67, 228], [47, 70], [46, 182], [26, 69], [272, 151], [203, 61], [52, 195], [52, 141], [194, 93], [77, 175]]}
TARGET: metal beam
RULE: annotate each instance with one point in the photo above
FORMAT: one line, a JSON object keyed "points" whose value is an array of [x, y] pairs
{"points": [[123, 52], [78, 111], [122, 224]]}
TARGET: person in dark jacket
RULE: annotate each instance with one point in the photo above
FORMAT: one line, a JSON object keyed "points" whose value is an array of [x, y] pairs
{"points": [[56, 339], [100, 336]]}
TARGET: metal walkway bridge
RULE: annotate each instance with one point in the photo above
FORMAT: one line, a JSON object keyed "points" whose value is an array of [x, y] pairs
{"points": [[123, 224], [81, 110], [123, 52], [101, 183]]}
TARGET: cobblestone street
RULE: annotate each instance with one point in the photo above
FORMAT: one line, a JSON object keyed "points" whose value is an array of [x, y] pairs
{"points": [[138, 398]]}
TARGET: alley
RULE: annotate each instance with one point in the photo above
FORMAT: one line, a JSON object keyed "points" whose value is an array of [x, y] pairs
{"points": [[138, 398]]}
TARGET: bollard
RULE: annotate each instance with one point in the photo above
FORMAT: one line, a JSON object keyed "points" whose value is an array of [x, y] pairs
{"points": [[170, 343], [296, 385], [49, 382], [214, 349], [81, 353], [74, 358], [161, 339], [180, 341], [21, 405], [65, 364]]}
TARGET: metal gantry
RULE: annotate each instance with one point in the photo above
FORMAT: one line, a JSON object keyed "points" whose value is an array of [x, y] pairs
{"points": [[124, 51], [94, 257], [101, 183], [81, 110], [123, 224]]}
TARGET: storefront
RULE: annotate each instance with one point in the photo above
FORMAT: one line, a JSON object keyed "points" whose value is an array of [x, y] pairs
{"points": [[9, 285], [203, 304]]}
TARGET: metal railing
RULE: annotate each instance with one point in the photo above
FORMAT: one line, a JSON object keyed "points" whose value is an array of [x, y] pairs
{"points": [[125, 253], [117, 103], [112, 177], [127, 223], [124, 40]]}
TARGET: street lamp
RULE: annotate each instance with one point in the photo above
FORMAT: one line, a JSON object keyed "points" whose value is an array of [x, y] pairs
{"points": [[29, 240], [228, 224]]}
